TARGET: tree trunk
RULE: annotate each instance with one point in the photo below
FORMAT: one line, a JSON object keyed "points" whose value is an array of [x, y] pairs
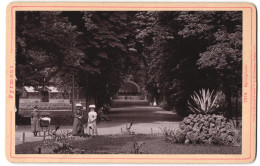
{"points": [[72, 95], [236, 108], [87, 103], [89, 100], [228, 98], [17, 102]]}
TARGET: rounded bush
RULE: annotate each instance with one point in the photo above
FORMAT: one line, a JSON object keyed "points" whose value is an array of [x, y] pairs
{"points": [[206, 129]]}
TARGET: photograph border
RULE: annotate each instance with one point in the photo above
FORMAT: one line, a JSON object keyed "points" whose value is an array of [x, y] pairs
{"points": [[248, 92]]}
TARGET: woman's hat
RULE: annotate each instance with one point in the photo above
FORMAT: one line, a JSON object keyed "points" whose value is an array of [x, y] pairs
{"points": [[92, 106], [78, 105]]}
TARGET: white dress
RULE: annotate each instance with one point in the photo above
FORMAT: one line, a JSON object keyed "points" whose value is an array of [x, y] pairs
{"points": [[92, 123]]}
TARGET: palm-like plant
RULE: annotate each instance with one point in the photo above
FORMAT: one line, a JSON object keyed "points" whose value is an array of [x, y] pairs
{"points": [[204, 102]]}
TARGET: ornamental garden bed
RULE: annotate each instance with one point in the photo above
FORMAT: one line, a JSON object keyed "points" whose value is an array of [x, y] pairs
{"points": [[130, 144]]}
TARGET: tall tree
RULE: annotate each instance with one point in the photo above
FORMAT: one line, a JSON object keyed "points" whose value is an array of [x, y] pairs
{"points": [[224, 56], [177, 48], [97, 48], [46, 45], [109, 46]]}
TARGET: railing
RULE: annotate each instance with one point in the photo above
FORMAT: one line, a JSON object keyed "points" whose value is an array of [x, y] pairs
{"points": [[130, 98]]}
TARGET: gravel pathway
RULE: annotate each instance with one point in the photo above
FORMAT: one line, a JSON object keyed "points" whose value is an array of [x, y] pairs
{"points": [[145, 120]]}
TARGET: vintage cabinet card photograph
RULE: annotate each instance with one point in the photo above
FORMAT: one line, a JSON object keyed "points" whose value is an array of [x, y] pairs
{"points": [[131, 82]]}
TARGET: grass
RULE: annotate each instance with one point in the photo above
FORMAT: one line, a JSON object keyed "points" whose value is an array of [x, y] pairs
{"points": [[123, 144]]}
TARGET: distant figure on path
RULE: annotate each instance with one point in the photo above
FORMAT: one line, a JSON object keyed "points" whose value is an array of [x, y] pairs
{"points": [[102, 115], [77, 124], [154, 103], [35, 121], [92, 121]]}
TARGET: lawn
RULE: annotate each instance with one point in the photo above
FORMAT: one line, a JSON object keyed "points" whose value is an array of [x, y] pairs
{"points": [[123, 144]]}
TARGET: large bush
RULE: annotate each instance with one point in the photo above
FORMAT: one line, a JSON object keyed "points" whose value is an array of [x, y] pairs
{"points": [[205, 129]]}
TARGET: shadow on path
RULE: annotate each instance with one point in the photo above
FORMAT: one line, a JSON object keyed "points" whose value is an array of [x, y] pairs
{"points": [[142, 114]]}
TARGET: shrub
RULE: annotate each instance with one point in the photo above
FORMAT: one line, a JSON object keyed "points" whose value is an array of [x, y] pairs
{"points": [[179, 136], [204, 129], [203, 103], [127, 130], [138, 148], [44, 106], [165, 105], [167, 131], [182, 108], [174, 135], [61, 143]]}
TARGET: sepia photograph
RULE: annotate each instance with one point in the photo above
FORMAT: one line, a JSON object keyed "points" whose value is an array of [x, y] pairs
{"points": [[128, 82]]}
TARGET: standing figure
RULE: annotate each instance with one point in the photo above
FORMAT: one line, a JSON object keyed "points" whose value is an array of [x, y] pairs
{"points": [[92, 121], [154, 103], [102, 115], [78, 124], [35, 121]]}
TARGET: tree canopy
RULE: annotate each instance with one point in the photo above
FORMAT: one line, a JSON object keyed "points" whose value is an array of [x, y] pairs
{"points": [[97, 49], [170, 53], [189, 50]]}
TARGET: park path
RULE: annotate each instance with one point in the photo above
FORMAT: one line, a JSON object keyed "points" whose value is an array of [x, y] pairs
{"points": [[146, 119]]}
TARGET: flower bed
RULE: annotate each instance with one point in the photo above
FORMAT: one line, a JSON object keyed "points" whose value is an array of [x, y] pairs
{"points": [[205, 129], [124, 144]]}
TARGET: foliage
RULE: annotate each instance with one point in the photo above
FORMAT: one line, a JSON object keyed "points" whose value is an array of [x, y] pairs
{"points": [[127, 130], [45, 45], [205, 129], [45, 106], [238, 138], [203, 103], [138, 148], [110, 46], [119, 144], [174, 135], [170, 54], [106, 108], [46, 48], [166, 131], [223, 54], [96, 47], [62, 143], [188, 50]]}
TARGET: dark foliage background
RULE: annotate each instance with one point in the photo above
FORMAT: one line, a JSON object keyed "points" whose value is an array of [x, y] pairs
{"points": [[170, 54]]}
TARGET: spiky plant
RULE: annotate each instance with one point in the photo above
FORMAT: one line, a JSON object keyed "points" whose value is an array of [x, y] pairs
{"points": [[204, 102], [138, 147]]}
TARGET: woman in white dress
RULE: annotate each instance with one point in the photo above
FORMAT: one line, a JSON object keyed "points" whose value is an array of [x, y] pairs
{"points": [[92, 121]]}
